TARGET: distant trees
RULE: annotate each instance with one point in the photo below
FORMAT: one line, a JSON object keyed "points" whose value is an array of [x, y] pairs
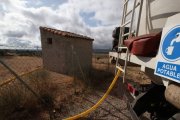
{"points": [[4, 52]]}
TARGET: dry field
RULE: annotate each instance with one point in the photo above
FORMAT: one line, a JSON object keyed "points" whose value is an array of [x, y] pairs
{"points": [[72, 95], [20, 64]]}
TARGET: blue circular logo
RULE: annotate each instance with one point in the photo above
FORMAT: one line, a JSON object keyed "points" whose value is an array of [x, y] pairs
{"points": [[171, 44]]}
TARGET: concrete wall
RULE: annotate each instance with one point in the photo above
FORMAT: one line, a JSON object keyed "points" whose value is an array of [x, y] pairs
{"points": [[82, 54], [66, 54]]}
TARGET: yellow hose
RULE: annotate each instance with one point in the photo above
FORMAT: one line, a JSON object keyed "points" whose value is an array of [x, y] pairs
{"points": [[85, 113]]}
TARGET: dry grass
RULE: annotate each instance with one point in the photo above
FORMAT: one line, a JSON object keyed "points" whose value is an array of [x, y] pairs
{"points": [[18, 103], [20, 64]]}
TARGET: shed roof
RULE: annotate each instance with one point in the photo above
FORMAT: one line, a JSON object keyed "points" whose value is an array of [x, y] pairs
{"points": [[65, 33]]}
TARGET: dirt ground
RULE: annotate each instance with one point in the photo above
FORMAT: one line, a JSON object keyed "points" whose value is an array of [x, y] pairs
{"points": [[73, 96]]}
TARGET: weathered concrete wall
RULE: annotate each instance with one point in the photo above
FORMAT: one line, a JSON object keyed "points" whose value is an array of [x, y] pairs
{"points": [[66, 54], [82, 54]]}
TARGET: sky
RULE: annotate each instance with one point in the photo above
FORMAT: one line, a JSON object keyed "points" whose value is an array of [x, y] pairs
{"points": [[20, 20]]}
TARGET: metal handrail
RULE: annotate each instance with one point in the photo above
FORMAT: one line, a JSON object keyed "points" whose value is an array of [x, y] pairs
{"points": [[139, 17], [132, 17]]}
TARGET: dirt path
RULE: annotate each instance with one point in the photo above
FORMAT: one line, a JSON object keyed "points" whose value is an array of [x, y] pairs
{"points": [[112, 109]]}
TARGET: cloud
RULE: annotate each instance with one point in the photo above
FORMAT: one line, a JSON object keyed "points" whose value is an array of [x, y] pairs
{"points": [[95, 18], [19, 43], [16, 34]]}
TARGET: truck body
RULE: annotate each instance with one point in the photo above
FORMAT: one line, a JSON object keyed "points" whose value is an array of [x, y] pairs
{"points": [[162, 101]]}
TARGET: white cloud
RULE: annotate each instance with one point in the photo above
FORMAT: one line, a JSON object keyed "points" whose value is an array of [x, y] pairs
{"points": [[21, 19]]}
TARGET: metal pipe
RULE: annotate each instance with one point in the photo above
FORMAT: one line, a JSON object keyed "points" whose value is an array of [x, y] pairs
{"points": [[139, 17], [132, 17]]}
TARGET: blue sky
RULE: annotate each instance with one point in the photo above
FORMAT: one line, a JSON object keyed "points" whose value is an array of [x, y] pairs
{"points": [[88, 19], [47, 3], [20, 19]]}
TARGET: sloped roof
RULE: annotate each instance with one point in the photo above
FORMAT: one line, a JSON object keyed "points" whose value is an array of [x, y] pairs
{"points": [[65, 33]]}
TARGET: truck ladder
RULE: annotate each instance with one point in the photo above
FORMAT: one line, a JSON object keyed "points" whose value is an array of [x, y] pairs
{"points": [[124, 23]]}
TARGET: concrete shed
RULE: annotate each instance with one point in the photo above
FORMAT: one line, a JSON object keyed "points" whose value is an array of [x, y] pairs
{"points": [[65, 52]]}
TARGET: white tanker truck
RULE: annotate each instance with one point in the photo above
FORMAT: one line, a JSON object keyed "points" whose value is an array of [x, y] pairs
{"points": [[154, 44]]}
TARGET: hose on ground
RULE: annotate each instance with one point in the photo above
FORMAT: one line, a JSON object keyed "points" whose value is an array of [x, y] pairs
{"points": [[85, 113]]}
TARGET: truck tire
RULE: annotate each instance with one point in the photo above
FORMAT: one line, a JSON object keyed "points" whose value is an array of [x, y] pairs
{"points": [[173, 98]]}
